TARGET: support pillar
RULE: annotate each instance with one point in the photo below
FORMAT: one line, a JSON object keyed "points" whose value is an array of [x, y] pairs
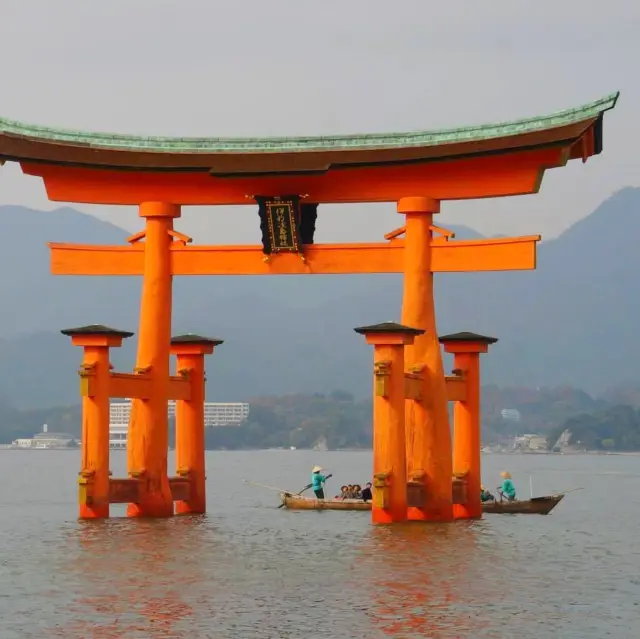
{"points": [[466, 349], [389, 448], [190, 350], [427, 418], [148, 437], [93, 479]]}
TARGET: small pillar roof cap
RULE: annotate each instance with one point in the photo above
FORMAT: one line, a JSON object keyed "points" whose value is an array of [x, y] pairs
{"points": [[96, 329], [466, 336], [388, 327], [193, 338]]}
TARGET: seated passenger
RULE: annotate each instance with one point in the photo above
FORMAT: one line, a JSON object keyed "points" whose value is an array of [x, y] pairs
{"points": [[366, 494], [343, 492], [485, 495], [349, 493], [357, 491], [507, 489]]}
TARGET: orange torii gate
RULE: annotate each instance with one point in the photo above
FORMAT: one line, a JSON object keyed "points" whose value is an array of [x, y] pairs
{"points": [[291, 177]]}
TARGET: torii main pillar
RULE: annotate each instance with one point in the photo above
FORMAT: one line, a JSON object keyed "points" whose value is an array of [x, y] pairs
{"points": [[426, 417], [149, 422]]}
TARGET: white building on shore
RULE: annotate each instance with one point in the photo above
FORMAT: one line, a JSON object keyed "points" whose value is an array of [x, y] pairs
{"points": [[45, 440], [215, 414]]}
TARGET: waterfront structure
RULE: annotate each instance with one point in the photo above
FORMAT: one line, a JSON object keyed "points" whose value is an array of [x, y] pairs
{"points": [[45, 441], [511, 414], [288, 179], [215, 414], [530, 442]]}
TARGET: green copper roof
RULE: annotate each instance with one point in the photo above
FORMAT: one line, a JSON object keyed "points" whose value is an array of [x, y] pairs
{"points": [[320, 143]]}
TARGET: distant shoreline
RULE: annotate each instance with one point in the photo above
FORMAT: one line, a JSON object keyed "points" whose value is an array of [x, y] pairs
{"points": [[633, 453]]}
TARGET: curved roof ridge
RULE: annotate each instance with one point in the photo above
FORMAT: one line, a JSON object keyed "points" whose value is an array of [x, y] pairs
{"points": [[309, 143]]}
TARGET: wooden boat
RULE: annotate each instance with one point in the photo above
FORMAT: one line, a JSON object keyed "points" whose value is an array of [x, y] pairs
{"points": [[534, 506], [297, 502]]}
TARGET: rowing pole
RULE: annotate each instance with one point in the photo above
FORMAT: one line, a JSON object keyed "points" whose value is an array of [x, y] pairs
{"points": [[254, 483]]}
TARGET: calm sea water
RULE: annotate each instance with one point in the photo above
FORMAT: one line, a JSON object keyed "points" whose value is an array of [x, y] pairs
{"points": [[248, 569]]}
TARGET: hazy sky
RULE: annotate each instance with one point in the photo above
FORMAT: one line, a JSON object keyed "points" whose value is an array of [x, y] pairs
{"points": [[287, 67]]}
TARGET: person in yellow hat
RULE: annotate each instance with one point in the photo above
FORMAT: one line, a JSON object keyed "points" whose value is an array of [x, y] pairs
{"points": [[507, 489], [317, 481]]}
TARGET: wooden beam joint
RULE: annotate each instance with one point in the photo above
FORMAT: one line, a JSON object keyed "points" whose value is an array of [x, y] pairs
{"points": [[413, 383], [180, 488], [456, 387], [459, 490]]}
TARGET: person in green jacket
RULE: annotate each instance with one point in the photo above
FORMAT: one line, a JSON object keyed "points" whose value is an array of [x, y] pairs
{"points": [[485, 495], [507, 489], [317, 482]]}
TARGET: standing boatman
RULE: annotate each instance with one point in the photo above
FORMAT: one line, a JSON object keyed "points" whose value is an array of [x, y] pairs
{"points": [[317, 481], [507, 489]]}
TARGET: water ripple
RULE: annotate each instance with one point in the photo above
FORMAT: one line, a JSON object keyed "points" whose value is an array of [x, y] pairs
{"points": [[250, 570]]}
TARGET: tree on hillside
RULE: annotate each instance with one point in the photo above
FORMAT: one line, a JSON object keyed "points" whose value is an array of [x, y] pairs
{"points": [[614, 428]]}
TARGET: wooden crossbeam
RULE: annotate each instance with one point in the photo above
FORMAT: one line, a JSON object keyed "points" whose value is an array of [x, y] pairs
{"points": [[500, 254], [456, 388], [135, 385], [180, 488], [125, 490]]}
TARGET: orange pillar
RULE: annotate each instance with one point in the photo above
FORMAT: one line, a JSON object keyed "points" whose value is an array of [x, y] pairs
{"points": [[427, 419], [93, 480], [148, 437], [190, 350], [389, 447], [466, 348]]}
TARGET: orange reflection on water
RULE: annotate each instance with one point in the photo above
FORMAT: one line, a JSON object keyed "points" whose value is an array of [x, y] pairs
{"points": [[130, 573], [426, 579]]}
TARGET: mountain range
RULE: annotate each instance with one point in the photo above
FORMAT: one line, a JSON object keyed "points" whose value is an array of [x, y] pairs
{"points": [[572, 321]]}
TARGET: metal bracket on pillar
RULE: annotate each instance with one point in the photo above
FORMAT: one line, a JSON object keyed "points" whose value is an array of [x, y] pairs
{"points": [[381, 490], [87, 374], [382, 372], [86, 480]]}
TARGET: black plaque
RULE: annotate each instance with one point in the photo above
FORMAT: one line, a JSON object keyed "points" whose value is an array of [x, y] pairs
{"points": [[280, 223]]}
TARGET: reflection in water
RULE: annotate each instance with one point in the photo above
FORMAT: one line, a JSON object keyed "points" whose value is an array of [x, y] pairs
{"points": [[133, 575], [249, 570], [426, 577]]}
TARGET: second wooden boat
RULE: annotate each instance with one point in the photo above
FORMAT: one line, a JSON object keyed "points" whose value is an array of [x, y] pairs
{"points": [[534, 506]]}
